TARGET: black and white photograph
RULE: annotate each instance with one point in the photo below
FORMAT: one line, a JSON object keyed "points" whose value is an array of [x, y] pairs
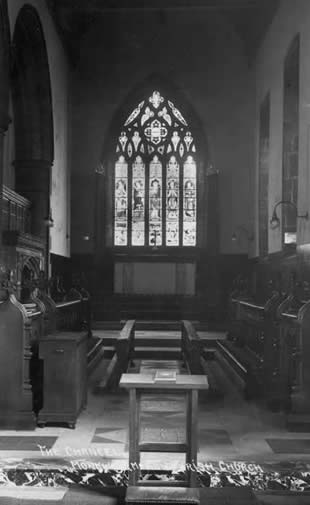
{"points": [[154, 252]]}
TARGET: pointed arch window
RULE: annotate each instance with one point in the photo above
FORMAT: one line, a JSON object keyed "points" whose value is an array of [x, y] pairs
{"points": [[155, 178]]}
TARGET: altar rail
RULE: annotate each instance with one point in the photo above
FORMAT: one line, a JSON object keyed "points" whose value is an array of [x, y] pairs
{"points": [[16, 211]]}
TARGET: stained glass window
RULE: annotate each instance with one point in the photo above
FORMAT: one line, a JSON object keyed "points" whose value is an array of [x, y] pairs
{"points": [[155, 188]]}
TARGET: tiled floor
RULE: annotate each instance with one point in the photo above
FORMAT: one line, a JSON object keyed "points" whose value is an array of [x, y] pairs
{"points": [[229, 429], [232, 433]]}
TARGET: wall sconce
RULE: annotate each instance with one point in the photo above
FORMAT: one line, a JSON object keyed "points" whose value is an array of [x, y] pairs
{"points": [[86, 237], [275, 220], [241, 229], [49, 221]]}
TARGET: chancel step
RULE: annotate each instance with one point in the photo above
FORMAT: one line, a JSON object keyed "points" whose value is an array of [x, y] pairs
{"points": [[138, 495], [162, 447], [157, 353]]}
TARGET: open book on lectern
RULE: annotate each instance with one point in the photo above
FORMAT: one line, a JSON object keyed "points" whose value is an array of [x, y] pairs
{"points": [[165, 376]]}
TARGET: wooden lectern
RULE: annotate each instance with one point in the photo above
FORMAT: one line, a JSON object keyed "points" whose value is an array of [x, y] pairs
{"points": [[189, 384]]}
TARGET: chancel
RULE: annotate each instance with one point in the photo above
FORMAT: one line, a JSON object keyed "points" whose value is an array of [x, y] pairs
{"points": [[154, 251]]}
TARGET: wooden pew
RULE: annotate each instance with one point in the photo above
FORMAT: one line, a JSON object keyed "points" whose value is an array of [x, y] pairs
{"points": [[124, 351], [64, 353], [293, 363], [74, 312], [250, 350], [191, 348], [16, 396]]}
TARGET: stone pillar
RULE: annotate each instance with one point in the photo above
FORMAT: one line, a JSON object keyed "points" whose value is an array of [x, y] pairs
{"points": [[3, 128], [33, 182], [4, 93]]}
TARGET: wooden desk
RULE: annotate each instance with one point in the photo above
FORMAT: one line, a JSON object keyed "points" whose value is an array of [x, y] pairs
{"points": [[189, 384]]}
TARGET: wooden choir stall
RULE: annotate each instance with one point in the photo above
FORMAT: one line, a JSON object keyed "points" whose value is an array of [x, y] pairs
{"points": [[294, 357], [269, 344], [43, 356]]}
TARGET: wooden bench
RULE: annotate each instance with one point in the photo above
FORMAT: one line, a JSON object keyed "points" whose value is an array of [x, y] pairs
{"points": [[191, 348], [124, 349]]}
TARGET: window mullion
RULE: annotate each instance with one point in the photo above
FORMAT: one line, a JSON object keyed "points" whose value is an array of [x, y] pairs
{"points": [[181, 197], [164, 200], [130, 201], [147, 205]]}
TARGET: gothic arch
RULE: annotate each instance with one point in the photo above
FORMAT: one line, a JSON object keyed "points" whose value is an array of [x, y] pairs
{"points": [[4, 65], [31, 88], [33, 115], [104, 207]]}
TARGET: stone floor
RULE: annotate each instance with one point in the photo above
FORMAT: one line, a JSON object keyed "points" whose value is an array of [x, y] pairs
{"points": [[233, 435], [229, 429]]}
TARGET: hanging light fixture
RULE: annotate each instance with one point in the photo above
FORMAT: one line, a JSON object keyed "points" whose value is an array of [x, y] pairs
{"points": [[48, 220], [275, 220]]}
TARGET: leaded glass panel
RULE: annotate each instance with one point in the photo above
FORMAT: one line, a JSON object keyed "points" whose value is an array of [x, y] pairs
{"points": [[121, 202], [172, 202], [155, 202], [138, 202], [189, 202]]}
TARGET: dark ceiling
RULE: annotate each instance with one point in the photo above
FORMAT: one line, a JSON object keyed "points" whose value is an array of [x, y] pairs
{"points": [[250, 18]]}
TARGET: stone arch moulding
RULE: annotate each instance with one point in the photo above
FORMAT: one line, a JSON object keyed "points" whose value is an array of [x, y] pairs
{"points": [[33, 114], [104, 188], [4, 65]]}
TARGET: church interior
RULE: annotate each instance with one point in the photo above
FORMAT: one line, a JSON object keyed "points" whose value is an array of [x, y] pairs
{"points": [[155, 252]]}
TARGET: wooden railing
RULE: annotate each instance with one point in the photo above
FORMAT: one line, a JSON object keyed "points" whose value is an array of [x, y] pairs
{"points": [[16, 213], [124, 351]]}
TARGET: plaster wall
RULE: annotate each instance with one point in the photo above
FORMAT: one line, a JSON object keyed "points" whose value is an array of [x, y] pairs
{"points": [[292, 18]]}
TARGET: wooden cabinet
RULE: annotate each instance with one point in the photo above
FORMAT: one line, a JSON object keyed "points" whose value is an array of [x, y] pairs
{"points": [[64, 378]]}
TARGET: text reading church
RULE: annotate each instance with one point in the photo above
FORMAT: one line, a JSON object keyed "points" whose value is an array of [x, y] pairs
{"points": [[155, 238]]}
